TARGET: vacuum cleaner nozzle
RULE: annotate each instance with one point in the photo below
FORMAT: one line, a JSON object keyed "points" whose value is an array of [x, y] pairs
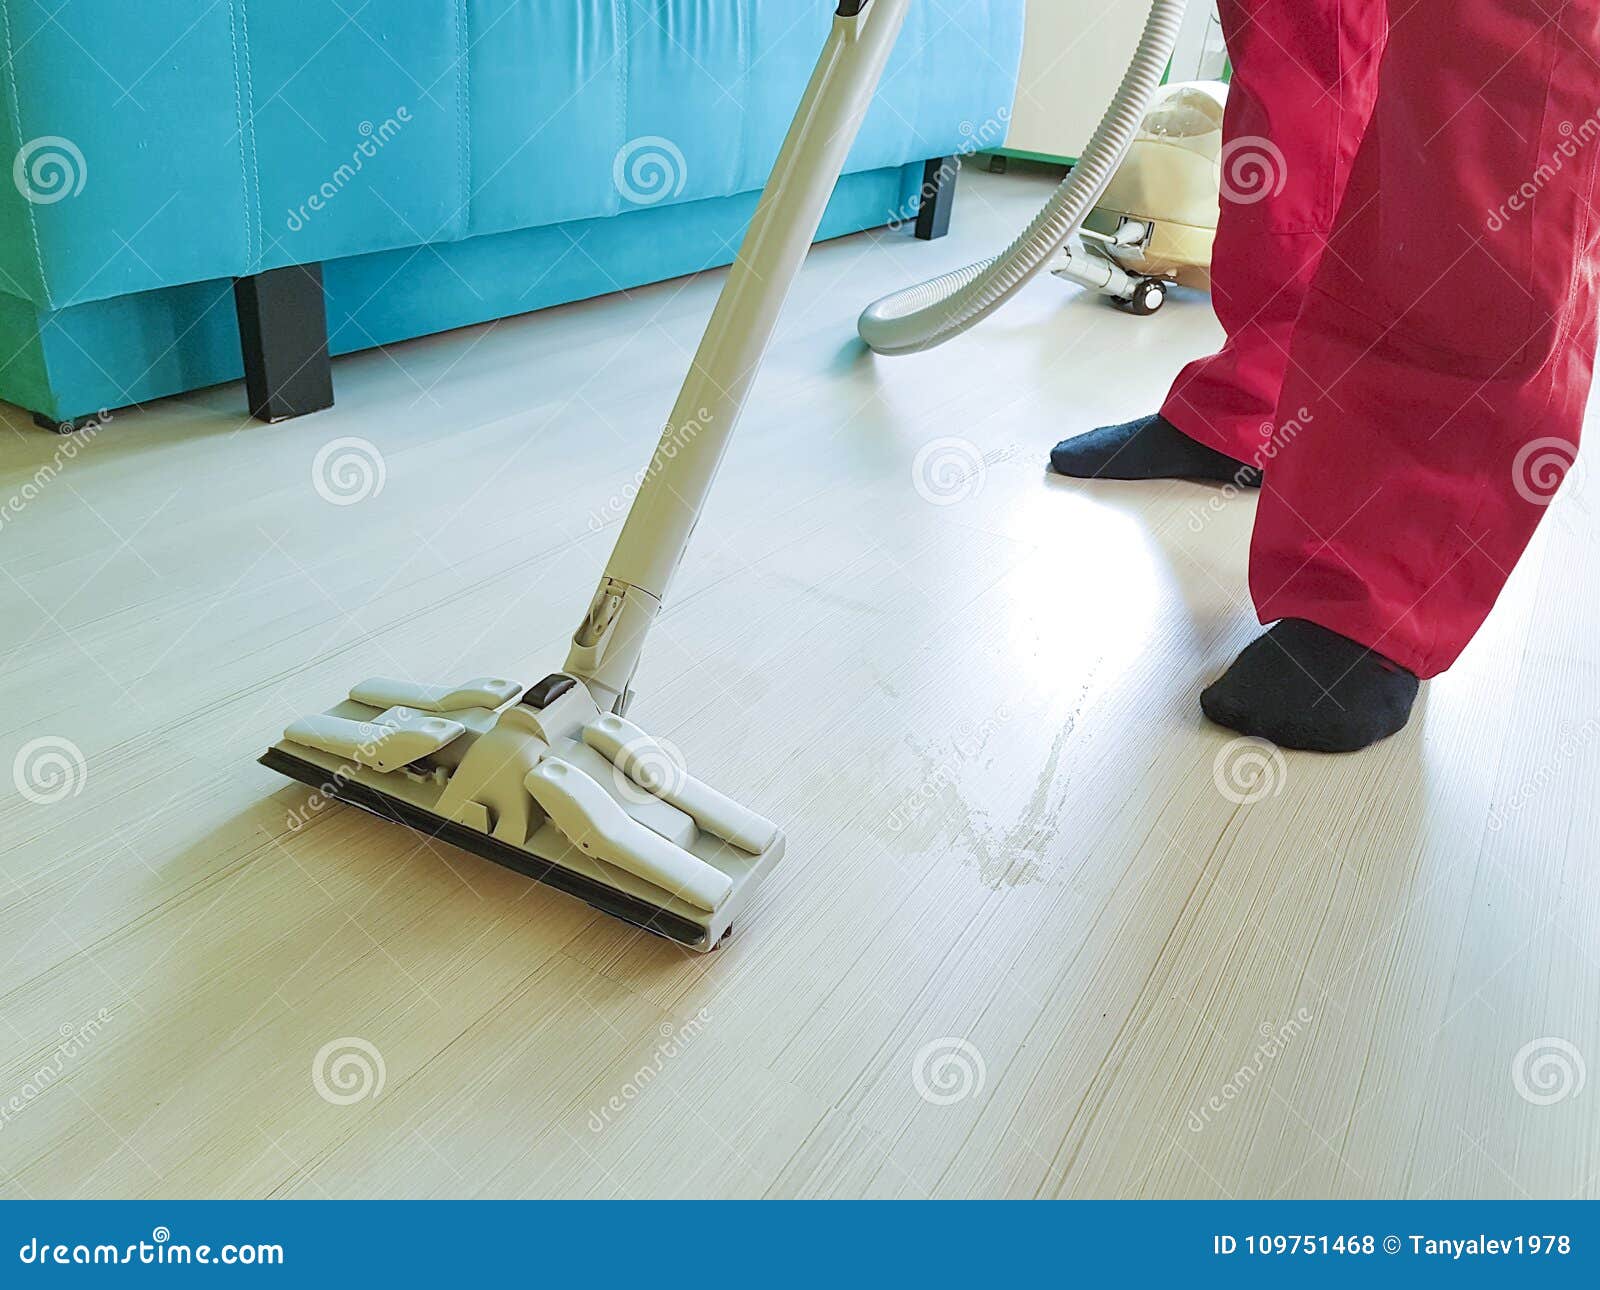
{"points": [[543, 782]]}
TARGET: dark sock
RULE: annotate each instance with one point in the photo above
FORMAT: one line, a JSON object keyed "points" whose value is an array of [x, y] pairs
{"points": [[1302, 686], [1149, 448]]}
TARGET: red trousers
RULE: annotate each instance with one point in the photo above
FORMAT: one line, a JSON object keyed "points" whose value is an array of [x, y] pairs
{"points": [[1406, 271]]}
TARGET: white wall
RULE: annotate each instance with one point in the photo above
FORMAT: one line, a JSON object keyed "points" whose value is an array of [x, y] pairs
{"points": [[1073, 56]]}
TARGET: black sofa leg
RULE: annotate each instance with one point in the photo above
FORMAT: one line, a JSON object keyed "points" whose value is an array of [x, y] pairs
{"points": [[283, 331], [70, 426], [938, 197]]}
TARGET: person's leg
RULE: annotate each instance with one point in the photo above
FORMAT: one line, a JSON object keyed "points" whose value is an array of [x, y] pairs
{"points": [[1441, 363], [1304, 77]]}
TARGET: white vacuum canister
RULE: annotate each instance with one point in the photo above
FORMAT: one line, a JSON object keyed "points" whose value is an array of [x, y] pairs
{"points": [[1170, 182]]}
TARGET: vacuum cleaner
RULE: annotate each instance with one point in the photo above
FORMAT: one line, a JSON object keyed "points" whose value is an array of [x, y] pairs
{"points": [[1157, 219], [552, 779]]}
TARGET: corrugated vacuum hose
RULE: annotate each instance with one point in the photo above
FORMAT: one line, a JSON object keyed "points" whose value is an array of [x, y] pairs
{"points": [[924, 316]]}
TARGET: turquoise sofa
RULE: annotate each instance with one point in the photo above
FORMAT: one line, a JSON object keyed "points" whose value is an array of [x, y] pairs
{"points": [[444, 162]]}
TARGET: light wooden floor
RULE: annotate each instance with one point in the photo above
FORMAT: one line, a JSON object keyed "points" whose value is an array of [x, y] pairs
{"points": [[1027, 939]]}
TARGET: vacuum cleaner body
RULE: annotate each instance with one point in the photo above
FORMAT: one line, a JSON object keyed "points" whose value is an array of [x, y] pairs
{"points": [[543, 782], [1156, 220], [1169, 186]]}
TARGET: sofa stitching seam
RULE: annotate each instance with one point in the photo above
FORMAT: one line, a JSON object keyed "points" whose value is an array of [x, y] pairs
{"points": [[16, 113], [464, 116], [914, 134], [619, 11], [255, 151], [238, 117], [745, 16]]}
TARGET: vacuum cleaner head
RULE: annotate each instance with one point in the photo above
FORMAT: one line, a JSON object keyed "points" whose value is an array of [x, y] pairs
{"points": [[1168, 186], [543, 782]]}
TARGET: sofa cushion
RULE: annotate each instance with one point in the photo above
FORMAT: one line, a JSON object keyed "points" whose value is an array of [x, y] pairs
{"points": [[215, 141]]}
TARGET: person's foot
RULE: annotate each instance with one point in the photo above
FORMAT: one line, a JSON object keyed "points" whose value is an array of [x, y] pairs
{"points": [[1149, 448], [1303, 686]]}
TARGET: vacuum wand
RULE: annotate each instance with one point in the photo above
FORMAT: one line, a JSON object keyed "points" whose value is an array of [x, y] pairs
{"points": [[605, 649]]}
